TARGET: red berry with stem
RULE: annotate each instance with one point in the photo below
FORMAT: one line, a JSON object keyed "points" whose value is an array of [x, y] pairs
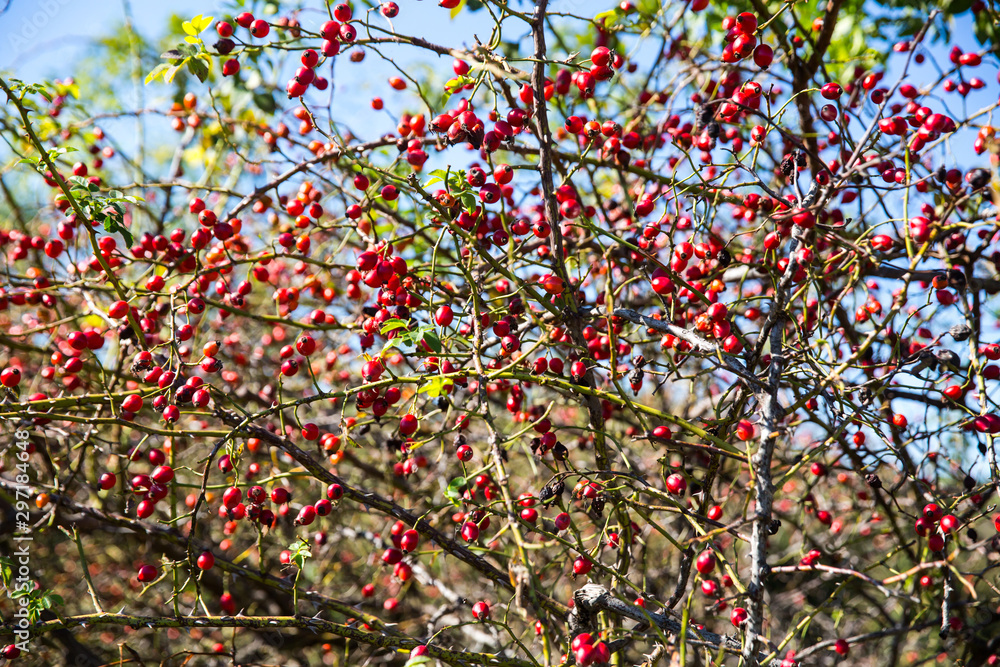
{"points": [[10, 377], [763, 56], [147, 573], [343, 12], [260, 28], [676, 484], [408, 424], [481, 610], [705, 562]]}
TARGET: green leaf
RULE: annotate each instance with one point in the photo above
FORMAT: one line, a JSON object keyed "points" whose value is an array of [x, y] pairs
{"points": [[418, 660], [265, 102], [453, 492], [392, 324], [127, 235], [435, 387], [469, 201], [199, 68], [958, 6], [433, 341], [608, 18], [300, 552]]}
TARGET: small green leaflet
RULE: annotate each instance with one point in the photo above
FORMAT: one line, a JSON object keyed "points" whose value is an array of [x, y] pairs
{"points": [[199, 62], [299, 552], [435, 387], [410, 338], [453, 492], [392, 324]]}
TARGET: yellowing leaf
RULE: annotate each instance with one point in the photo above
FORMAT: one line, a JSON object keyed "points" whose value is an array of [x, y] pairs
{"points": [[457, 9], [192, 40], [202, 22], [157, 72], [189, 28], [171, 72]]}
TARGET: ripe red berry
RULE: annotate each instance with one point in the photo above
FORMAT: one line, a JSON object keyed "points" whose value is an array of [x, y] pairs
{"points": [[444, 316], [949, 523], [231, 497], [481, 610], [738, 616], [206, 560], [763, 56], [306, 515], [746, 23], [10, 377], [132, 403], [147, 573], [676, 484], [118, 310], [342, 12], [705, 562], [260, 28], [408, 424], [470, 531], [831, 91]]}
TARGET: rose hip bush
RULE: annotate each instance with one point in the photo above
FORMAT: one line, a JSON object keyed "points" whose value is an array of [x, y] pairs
{"points": [[653, 333]]}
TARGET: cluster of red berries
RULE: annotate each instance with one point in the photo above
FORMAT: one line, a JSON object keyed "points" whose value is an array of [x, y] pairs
{"points": [[935, 525]]}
